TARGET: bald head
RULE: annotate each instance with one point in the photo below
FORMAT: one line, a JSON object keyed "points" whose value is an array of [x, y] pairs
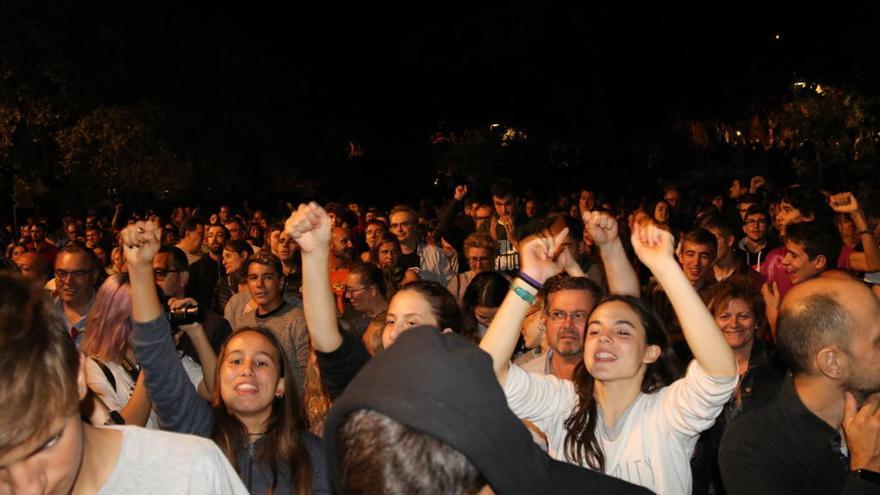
{"points": [[823, 313], [340, 243]]}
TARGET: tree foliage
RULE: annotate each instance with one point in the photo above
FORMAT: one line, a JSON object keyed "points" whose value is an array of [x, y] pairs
{"points": [[121, 150]]}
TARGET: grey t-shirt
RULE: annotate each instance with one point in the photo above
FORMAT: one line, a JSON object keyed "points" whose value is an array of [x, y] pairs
{"points": [[153, 461]]}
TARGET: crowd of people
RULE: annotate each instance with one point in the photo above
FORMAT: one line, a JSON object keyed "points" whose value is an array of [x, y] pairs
{"points": [[505, 344]]}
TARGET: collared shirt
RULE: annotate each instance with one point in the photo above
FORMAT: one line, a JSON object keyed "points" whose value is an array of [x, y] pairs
{"points": [[542, 365], [783, 448], [76, 330]]}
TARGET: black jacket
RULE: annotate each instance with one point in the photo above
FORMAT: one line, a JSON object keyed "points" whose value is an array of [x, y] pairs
{"points": [[783, 448]]}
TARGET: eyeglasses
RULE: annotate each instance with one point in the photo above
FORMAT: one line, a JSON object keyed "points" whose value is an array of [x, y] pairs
{"points": [[578, 317], [77, 275], [755, 221], [161, 274], [351, 292]]}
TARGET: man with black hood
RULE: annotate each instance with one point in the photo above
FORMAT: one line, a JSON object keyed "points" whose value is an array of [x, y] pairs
{"points": [[427, 416]]}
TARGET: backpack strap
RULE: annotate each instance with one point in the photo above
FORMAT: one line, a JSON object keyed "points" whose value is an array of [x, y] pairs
{"points": [[107, 372]]}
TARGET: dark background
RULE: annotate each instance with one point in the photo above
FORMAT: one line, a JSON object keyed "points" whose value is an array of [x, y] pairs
{"points": [[260, 100]]}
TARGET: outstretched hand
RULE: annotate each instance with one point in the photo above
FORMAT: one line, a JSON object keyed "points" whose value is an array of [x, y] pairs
{"points": [[542, 256], [756, 183], [843, 202], [309, 226], [771, 294], [653, 245], [601, 226], [140, 242]]}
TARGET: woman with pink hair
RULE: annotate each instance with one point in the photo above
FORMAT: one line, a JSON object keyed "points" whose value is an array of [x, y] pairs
{"points": [[112, 372]]}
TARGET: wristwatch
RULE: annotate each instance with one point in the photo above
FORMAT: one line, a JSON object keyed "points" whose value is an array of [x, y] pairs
{"points": [[867, 475]]}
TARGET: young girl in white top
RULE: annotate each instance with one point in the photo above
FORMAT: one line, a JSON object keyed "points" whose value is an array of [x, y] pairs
{"points": [[620, 415]]}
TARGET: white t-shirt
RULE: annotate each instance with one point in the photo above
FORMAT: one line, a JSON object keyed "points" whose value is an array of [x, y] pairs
{"points": [[651, 445], [116, 399], [153, 461]]}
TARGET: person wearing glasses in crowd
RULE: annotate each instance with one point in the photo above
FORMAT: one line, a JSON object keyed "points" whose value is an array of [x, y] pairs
{"points": [[624, 413], [753, 248], [568, 300], [171, 275], [429, 261], [479, 251], [365, 291], [76, 279]]}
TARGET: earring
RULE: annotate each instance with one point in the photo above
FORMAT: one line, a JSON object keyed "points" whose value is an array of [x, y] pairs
{"points": [[279, 396]]}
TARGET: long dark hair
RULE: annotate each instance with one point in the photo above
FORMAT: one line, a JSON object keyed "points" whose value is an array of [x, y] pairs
{"points": [[284, 427], [487, 289], [581, 444]]}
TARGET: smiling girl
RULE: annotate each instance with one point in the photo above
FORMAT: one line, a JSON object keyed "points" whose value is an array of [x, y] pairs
{"points": [[254, 413], [622, 414]]}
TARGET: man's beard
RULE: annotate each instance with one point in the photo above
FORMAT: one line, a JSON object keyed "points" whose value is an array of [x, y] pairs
{"points": [[568, 351], [861, 388]]}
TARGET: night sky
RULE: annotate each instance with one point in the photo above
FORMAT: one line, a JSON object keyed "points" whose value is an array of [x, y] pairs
{"points": [[277, 80]]}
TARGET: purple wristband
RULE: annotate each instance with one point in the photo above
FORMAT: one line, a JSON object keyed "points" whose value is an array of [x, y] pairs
{"points": [[529, 280]]}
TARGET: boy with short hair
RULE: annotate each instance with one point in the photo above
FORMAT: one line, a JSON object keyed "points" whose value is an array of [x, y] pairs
{"points": [[46, 447]]}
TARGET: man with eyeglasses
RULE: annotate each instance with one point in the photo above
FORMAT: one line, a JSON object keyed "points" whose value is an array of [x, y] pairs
{"points": [[76, 276], [172, 274], [753, 248], [570, 300], [365, 291]]}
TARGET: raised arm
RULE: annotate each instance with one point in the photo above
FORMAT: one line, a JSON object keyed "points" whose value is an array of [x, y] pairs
{"points": [[619, 272], [448, 214], [207, 357], [141, 242], [540, 258], [175, 399], [310, 227], [869, 259], [654, 248]]}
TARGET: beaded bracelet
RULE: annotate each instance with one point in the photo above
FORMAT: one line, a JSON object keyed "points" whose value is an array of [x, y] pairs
{"points": [[523, 294], [530, 281]]}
